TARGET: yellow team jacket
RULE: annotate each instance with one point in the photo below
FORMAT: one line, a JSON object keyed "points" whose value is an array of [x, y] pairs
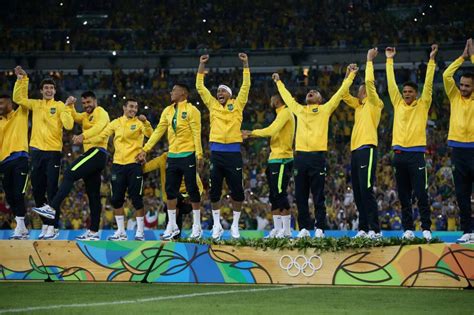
{"points": [[92, 125], [282, 133], [409, 121], [461, 121], [49, 118], [313, 120], [183, 123], [226, 120], [129, 134], [367, 113], [160, 163], [14, 132]]}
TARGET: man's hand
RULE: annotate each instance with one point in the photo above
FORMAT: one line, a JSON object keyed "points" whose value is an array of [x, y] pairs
{"points": [[200, 165], [204, 59], [71, 100], [434, 51], [352, 68], [276, 77], [390, 52], [246, 134], [141, 157], [372, 53], [78, 139], [142, 118], [19, 72], [245, 59]]}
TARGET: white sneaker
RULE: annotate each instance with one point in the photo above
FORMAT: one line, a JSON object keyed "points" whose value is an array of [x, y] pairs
{"points": [[373, 235], [51, 233], [361, 234], [281, 234], [89, 236], [303, 233], [467, 238], [318, 233], [234, 231], [408, 235], [217, 232], [139, 236], [170, 233], [273, 233], [45, 211], [196, 232], [44, 229], [427, 235], [20, 234], [118, 236]]}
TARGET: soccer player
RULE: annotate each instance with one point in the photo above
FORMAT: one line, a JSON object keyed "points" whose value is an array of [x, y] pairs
{"points": [[49, 119], [311, 146], [461, 137], [129, 132], [88, 166], [182, 121], [225, 139], [14, 160], [368, 107], [183, 205], [409, 143], [280, 164]]}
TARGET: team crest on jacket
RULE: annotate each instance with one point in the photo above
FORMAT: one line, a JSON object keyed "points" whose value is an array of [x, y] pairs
{"points": [[315, 110], [230, 107], [133, 127], [91, 117], [52, 110], [184, 115]]}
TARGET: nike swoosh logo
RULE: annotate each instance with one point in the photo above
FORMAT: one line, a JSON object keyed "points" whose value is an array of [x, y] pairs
{"points": [[138, 177], [238, 168], [192, 165], [420, 168], [23, 173], [322, 173], [56, 166], [273, 173], [363, 166]]}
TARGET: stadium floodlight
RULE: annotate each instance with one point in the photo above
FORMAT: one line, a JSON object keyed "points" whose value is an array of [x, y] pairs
{"points": [[114, 53], [61, 4], [114, 96], [146, 107], [84, 23], [415, 19], [204, 20], [68, 42], [209, 31]]}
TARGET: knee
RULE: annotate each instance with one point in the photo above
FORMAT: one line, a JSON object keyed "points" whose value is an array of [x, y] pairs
{"points": [[116, 202], [137, 202], [238, 196]]}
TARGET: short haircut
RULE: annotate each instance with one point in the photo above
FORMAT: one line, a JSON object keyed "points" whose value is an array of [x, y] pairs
{"points": [[469, 75], [47, 81], [88, 94], [278, 96], [183, 86], [5, 95], [411, 84], [129, 100]]}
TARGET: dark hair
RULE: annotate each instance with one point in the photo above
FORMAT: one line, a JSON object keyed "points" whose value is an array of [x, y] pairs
{"points": [[183, 86], [469, 75], [278, 96], [47, 81], [88, 94], [129, 100], [411, 84], [5, 95]]}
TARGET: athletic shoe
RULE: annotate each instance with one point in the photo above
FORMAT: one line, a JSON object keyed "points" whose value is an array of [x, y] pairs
{"points": [[19, 234], [374, 236], [139, 236], [217, 232], [281, 234], [44, 229], [170, 232], [303, 233], [51, 234], [273, 233], [196, 232], [361, 234], [234, 231], [318, 233], [408, 235], [427, 235], [118, 236], [89, 236], [467, 238], [45, 211]]}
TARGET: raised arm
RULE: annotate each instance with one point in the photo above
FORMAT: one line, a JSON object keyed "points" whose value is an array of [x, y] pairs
{"points": [[280, 121], [205, 94], [147, 129], [427, 94], [66, 113], [158, 133], [20, 90], [448, 75], [393, 91], [243, 95], [77, 116], [372, 96], [293, 105], [332, 104]]}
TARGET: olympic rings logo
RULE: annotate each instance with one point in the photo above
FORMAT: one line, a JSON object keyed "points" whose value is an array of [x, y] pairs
{"points": [[300, 265]]}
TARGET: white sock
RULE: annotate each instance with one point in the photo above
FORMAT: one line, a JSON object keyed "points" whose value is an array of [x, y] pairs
{"points": [[120, 219], [20, 222], [235, 222], [44, 227], [216, 216], [197, 217], [286, 223], [172, 217], [277, 222], [140, 224]]}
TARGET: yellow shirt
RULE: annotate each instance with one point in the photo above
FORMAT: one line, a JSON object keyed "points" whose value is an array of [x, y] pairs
{"points": [[461, 121], [160, 163], [49, 118], [129, 134], [313, 120], [367, 113], [282, 133], [92, 125], [409, 121], [226, 120], [14, 132], [184, 129]]}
